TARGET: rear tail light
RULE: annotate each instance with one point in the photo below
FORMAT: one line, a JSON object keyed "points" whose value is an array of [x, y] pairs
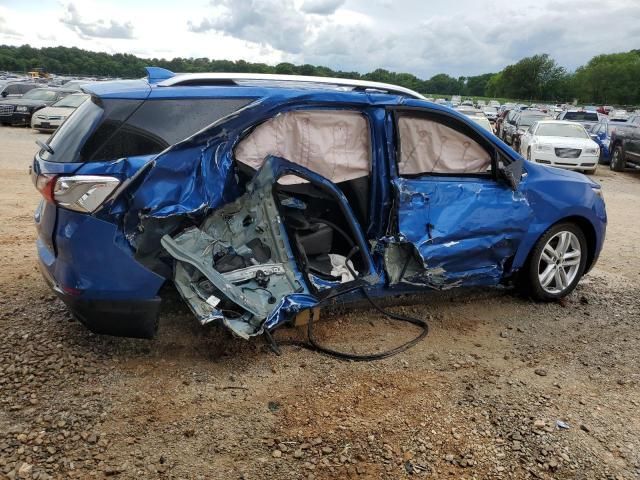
{"points": [[81, 193], [44, 184]]}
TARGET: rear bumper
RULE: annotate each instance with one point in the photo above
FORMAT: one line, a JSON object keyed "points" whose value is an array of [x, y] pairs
{"points": [[91, 268], [121, 318]]}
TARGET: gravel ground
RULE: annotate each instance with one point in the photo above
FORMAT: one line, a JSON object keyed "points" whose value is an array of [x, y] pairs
{"points": [[501, 388]]}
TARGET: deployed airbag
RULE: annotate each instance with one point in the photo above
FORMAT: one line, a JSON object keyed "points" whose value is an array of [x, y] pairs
{"points": [[332, 143], [427, 146]]}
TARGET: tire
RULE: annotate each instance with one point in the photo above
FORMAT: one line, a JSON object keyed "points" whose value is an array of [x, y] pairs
{"points": [[542, 278], [617, 163]]}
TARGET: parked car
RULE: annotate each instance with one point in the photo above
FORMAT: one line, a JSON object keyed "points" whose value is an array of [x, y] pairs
{"points": [[491, 113], [13, 89], [250, 231], [560, 144], [518, 123], [587, 118], [76, 84], [49, 118], [601, 134], [502, 116], [619, 115], [508, 126], [523, 122], [18, 111], [625, 144], [468, 110], [483, 121]]}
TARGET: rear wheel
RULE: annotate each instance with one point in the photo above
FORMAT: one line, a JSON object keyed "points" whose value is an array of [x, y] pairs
{"points": [[556, 263], [617, 160]]}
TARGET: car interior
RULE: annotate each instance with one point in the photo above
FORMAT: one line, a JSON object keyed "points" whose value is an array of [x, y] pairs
{"points": [[336, 145], [333, 143]]}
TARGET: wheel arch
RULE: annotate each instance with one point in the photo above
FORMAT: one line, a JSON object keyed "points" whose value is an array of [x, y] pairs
{"points": [[587, 228]]}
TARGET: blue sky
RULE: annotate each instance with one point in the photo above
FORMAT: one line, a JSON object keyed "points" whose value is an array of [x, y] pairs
{"points": [[463, 37]]}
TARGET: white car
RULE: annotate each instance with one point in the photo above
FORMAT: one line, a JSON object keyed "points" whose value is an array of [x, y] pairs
{"points": [[49, 118], [491, 113], [560, 144], [482, 121]]}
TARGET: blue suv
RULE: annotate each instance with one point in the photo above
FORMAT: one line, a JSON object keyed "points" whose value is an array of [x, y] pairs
{"points": [[259, 196]]}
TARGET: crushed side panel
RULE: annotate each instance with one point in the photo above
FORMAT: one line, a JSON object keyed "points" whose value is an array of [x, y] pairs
{"points": [[465, 233]]}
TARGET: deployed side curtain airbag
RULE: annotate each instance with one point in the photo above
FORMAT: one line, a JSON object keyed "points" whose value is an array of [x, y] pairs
{"points": [[332, 143], [427, 146]]}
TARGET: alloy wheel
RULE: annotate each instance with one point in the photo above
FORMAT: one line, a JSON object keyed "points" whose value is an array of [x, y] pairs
{"points": [[559, 262]]}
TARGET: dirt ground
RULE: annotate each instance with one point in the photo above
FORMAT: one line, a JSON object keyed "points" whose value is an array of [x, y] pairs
{"points": [[501, 388]]}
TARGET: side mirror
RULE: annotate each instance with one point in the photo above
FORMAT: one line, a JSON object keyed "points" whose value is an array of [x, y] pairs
{"points": [[594, 136], [511, 173], [5, 94]]}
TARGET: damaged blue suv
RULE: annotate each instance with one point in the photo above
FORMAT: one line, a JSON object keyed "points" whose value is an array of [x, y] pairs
{"points": [[259, 196]]}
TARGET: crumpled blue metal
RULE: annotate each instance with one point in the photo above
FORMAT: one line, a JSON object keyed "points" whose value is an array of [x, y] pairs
{"points": [[465, 229], [288, 308]]}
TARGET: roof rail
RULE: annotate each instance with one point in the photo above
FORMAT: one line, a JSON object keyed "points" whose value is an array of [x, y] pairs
{"points": [[245, 78]]}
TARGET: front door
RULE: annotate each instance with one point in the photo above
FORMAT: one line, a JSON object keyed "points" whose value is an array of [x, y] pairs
{"points": [[463, 224]]}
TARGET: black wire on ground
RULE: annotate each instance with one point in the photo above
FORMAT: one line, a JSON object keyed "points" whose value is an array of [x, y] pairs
{"points": [[313, 344]]}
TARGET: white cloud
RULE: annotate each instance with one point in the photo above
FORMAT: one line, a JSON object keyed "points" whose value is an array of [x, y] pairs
{"points": [[6, 31], [276, 23], [98, 28], [321, 7]]}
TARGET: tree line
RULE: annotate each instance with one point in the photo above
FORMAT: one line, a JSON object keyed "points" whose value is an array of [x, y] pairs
{"points": [[605, 79]]}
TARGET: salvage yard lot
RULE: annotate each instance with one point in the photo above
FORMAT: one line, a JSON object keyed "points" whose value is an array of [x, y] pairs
{"points": [[483, 396]]}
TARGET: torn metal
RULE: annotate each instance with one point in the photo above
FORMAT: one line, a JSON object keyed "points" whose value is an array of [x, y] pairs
{"points": [[239, 266]]}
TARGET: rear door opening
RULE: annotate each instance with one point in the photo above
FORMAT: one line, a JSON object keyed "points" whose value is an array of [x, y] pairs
{"points": [[276, 250]]}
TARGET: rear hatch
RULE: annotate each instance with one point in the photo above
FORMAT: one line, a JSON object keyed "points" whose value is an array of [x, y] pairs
{"points": [[114, 137]]}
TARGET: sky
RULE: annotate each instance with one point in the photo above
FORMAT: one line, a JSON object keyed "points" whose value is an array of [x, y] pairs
{"points": [[423, 37]]}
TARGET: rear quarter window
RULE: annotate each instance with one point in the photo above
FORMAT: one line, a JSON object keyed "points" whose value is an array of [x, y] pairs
{"points": [[157, 124]]}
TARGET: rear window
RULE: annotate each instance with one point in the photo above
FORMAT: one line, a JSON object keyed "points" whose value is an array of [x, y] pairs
{"points": [[581, 116], [129, 128]]}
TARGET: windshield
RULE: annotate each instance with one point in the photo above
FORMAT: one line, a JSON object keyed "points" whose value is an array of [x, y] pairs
{"points": [[40, 94], [71, 101], [588, 116], [561, 130], [527, 121]]}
